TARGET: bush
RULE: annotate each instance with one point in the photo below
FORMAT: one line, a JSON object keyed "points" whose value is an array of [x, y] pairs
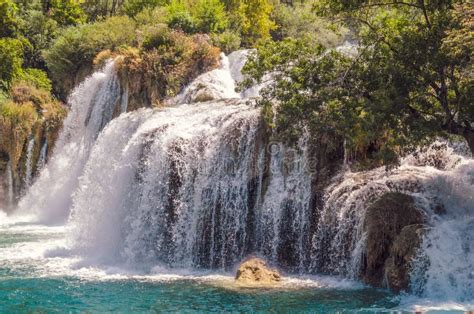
{"points": [[162, 70], [227, 41], [37, 78], [179, 17], [148, 17], [28, 111], [49, 109], [9, 22], [19, 116], [76, 48], [156, 36]]}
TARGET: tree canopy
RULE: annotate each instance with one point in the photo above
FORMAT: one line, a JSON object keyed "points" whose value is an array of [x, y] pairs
{"points": [[410, 80]]}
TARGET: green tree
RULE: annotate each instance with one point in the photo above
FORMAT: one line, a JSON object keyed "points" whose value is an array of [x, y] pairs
{"points": [[9, 22], [410, 81], [40, 30], [11, 60], [253, 19], [65, 12], [210, 16]]}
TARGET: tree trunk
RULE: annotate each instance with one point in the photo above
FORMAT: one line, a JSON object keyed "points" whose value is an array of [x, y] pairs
{"points": [[469, 136]]}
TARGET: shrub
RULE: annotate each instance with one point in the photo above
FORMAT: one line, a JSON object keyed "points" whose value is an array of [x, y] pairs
{"points": [[227, 41], [76, 48], [25, 93], [148, 17], [102, 57], [179, 17], [9, 22], [163, 70], [156, 36], [37, 78]]}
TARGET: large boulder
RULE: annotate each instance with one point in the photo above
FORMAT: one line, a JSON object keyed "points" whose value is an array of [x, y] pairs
{"points": [[384, 221], [255, 271]]}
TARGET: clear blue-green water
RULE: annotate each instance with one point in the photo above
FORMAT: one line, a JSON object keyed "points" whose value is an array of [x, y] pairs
{"points": [[36, 276], [47, 294]]}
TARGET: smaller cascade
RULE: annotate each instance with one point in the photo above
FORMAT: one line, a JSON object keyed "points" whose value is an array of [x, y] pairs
{"points": [[92, 105], [213, 85], [285, 210], [42, 156], [29, 166], [10, 190], [444, 268]]}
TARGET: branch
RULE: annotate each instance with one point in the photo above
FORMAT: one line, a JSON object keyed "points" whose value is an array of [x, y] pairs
{"points": [[423, 8], [395, 3]]}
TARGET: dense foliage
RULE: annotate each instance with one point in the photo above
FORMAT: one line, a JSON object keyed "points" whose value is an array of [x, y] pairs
{"points": [[411, 78]]}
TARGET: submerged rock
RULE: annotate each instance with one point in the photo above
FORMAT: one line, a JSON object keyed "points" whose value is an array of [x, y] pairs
{"points": [[388, 243], [255, 271]]}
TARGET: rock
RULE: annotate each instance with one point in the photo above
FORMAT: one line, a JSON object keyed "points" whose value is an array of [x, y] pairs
{"points": [[255, 271], [404, 248], [384, 221]]}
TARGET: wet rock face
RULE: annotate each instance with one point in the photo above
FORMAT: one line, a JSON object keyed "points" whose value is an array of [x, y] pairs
{"points": [[391, 224], [255, 271], [404, 247]]}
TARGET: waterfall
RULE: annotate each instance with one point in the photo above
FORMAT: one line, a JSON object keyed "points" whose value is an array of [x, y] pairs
{"points": [[440, 177], [42, 156], [10, 190], [200, 185], [182, 170], [29, 166], [91, 107], [444, 267]]}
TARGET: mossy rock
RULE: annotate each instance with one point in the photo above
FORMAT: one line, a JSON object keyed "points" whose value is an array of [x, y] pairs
{"points": [[402, 252], [384, 222]]}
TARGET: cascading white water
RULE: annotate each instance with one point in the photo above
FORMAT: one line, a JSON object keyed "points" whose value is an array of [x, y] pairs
{"points": [[181, 170], [91, 108], [10, 190], [189, 186], [29, 166], [199, 185], [285, 212], [444, 268], [440, 177], [42, 157]]}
